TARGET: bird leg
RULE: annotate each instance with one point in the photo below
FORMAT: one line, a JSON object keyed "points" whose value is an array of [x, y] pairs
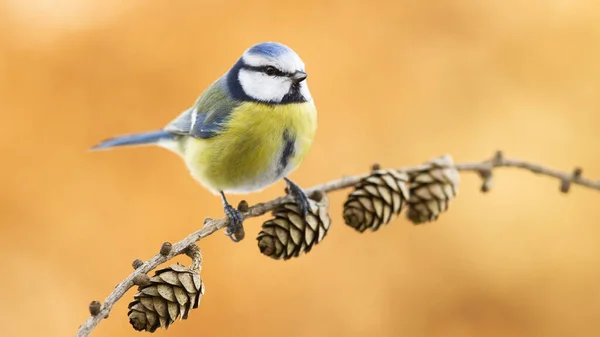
{"points": [[299, 196], [235, 219]]}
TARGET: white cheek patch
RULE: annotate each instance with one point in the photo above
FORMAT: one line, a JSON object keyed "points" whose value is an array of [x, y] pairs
{"points": [[262, 87]]}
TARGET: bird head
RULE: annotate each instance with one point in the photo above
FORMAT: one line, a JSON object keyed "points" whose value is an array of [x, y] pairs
{"points": [[270, 73]]}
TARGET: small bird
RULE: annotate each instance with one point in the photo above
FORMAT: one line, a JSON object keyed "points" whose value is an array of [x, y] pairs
{"points": [[249, 129]]}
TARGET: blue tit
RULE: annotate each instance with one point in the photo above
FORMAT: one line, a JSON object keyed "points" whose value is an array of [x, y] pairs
{"points": [[249, 129]]}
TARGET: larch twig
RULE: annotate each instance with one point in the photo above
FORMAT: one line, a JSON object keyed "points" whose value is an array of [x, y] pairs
{"points": [[186, 246]]}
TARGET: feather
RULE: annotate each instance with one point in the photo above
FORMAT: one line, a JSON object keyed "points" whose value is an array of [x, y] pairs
{"points": [[261, 145], [144, 138], [208, 116]]}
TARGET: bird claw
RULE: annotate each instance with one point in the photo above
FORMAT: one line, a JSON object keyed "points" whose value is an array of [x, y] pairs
{"points": [[299, 196], [235, 222], [234, 230]]}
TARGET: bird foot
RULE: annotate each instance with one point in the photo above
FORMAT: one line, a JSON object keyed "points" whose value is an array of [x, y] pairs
{"points": [[234, 230], [235, 222], [299, 196]]}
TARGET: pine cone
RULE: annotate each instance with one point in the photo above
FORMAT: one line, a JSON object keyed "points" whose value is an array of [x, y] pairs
{"points": [[172, 292], [431, 190], [289, 234], [376, 200]]}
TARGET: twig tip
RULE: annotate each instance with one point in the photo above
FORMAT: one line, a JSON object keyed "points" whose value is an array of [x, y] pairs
{"points": [[137, 263], [487, 180], [243, 206], [165, 249], [498, 157], [95, 307], [565, 185]]}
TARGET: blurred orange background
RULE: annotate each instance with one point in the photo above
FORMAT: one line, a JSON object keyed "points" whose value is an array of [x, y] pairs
{"points": [[395, 82]]}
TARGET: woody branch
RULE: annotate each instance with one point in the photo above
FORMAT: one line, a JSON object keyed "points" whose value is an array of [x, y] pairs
{"points": [[484, 169]]}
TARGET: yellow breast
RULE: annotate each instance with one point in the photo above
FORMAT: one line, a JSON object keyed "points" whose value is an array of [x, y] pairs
{"points": [[259, 145]]}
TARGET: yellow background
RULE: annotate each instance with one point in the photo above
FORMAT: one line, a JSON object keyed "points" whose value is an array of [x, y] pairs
{"points": [[396, 82]]}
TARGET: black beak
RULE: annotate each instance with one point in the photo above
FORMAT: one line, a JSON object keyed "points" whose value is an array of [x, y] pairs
{"points": [[299, 76]]}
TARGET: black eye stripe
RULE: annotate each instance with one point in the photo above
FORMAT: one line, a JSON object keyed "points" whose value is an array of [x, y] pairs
{"points": [[264, 69]]}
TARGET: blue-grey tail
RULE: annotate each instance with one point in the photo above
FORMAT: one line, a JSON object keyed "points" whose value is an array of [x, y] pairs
{"points": [[144, 138]]}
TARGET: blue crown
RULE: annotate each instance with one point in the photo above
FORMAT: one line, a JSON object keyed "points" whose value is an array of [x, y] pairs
{"points": [[272, 49]]}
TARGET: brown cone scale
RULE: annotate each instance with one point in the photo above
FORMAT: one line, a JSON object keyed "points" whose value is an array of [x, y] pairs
{"points": [[376, 200], [289, 234], [432, 189], [172, 293]]}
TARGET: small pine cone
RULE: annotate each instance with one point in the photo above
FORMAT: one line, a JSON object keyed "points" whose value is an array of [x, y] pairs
{"points": [[431, 190], [289, 234], [376, 200], [172, 292]]}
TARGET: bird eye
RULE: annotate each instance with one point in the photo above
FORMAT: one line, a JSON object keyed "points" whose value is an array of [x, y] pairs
{"points": [[270, 71]]}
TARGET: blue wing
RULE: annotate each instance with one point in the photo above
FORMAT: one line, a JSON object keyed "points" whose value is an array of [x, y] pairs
{"points": [[198, 124], [208, 117]]}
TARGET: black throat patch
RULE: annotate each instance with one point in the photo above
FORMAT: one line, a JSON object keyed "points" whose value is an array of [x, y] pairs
{"points": [[294, 95]]}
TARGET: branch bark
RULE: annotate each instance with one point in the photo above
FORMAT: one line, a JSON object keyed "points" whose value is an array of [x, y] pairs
{"points": [[483, 168]]}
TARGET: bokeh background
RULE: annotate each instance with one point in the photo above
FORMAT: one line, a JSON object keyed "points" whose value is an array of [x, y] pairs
{"points": [[396, 82]]}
